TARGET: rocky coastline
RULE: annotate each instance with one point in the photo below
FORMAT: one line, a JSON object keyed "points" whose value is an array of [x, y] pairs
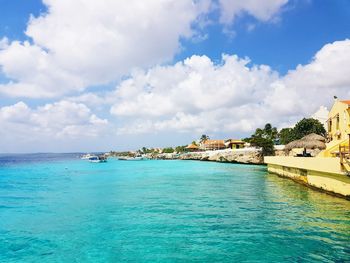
{"points": [[244, 156]]}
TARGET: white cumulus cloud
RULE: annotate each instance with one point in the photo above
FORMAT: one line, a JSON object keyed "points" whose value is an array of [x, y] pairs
{"points": [[77, 44], [305, 89], [231, 96], [59, 119], [262, 10]]}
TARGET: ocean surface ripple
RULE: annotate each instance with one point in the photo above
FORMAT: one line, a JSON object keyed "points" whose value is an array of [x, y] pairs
{"points": [[58, 208]]}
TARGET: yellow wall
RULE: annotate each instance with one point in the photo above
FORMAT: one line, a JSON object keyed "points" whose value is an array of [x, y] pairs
{"points": [[339, 127], [237, 145], [321, 173], [327, 165]]}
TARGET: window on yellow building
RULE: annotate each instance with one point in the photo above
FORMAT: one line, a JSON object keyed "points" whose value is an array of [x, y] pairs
{"points": [[337, 124], [330, 125]]}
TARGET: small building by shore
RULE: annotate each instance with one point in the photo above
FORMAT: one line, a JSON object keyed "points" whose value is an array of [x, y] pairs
{"points": [[212, 145], [234, 144], [192, 147]]}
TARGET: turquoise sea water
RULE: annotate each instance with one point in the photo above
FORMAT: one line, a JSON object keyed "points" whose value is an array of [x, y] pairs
{"points": [[57, 208]]}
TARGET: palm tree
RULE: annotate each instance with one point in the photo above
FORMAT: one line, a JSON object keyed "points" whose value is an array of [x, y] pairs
{"points": [[204, 138]]}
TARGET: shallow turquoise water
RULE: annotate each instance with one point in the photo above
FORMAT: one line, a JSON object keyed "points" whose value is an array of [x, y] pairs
{"points": [[70, 210]]}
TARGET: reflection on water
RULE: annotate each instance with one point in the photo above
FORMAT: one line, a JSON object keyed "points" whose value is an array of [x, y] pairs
{"points": [[319, 217]]}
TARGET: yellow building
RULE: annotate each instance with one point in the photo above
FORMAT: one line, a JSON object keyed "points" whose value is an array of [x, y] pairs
{"points": [[339, 120], [338, 127], [234, 144]]}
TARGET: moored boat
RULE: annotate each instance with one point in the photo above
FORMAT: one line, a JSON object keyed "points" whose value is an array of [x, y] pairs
{"points": [[97, 159], [86, 156]]}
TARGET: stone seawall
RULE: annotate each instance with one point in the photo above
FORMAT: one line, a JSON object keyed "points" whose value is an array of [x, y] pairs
{"points": [[246, 156], [324, 174]]}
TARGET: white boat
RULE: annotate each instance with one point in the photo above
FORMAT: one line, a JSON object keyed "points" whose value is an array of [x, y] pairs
{"points": [[86, 156], [97, 159], [137, 158]]}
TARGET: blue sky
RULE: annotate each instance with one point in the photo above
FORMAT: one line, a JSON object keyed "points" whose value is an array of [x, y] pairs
{"points": [[302, 29], [15, 15], [126, 76]]}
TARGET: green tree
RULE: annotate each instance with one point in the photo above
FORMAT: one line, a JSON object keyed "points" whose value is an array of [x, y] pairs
{"points": [[270, 132], [168, 150], [264, 138], [204, 138], [286, 135], [266, 144], [307, 126], [145, 150], [301, 129], [180, 149]]}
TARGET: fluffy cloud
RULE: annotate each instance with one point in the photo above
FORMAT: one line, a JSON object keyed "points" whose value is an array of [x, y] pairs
{"points": [[193, 86], [304, 89], [196, 94], [77, 44], [232, 96], [35, 72], [261, 10], [57, 120]]}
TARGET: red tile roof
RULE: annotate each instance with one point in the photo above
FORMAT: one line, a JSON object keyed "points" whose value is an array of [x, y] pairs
{"points": [[345, 101]]}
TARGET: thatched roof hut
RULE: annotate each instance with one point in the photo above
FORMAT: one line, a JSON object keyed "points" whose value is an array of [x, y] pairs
{"points": [[312, 144], [314, 137], [192, 147], [311, 141]]}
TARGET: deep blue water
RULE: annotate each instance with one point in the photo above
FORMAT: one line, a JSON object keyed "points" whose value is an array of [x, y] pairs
{"points": [[58, 208]]}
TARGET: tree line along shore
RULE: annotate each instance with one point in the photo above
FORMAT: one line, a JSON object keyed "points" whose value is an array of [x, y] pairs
{"points": [[266, 141]]}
